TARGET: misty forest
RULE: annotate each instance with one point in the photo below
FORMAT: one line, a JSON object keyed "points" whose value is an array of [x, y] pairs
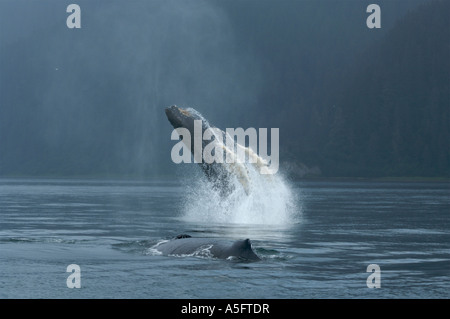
{"points": [[349, 101]]}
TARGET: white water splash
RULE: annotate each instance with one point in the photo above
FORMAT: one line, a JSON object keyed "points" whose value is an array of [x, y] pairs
{"points": [[265, 199], [270, 202]]}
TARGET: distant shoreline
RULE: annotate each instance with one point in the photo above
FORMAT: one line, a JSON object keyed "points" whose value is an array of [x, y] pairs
{"points": [[131, 178], [378, 179]]}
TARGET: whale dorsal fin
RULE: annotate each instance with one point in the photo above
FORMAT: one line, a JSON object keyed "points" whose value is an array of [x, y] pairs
{"points": [[243, 243], [243, 249]]}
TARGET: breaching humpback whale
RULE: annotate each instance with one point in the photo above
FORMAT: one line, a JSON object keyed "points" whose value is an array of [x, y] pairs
{"points": [[183, 245], [220, 174]]}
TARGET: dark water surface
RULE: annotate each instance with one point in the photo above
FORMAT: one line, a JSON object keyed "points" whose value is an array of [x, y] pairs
{"points": [[109, 227]]}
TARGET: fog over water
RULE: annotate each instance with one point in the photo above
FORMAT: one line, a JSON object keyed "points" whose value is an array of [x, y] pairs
{"points": [[104, 86], [86, 174], [90, 101]]}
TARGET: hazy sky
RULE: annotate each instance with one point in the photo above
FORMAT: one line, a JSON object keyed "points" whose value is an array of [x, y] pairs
{"points": [[90, 100]]}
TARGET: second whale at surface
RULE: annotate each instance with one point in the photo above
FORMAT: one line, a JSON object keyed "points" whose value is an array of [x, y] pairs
{"points": [[185, 245]]}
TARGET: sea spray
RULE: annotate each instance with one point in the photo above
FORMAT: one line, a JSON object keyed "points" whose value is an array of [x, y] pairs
{"points": [[270, 202], [236, 190]]}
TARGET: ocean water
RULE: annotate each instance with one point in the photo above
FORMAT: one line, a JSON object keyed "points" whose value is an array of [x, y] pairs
{"points": [[321, 249]]}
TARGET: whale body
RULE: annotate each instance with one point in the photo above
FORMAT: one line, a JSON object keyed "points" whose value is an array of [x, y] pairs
{"points": [[185, 245], [221, 174]]}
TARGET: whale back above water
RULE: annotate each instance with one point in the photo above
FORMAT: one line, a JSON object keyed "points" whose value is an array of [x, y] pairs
{"points": [[184, 245]]}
